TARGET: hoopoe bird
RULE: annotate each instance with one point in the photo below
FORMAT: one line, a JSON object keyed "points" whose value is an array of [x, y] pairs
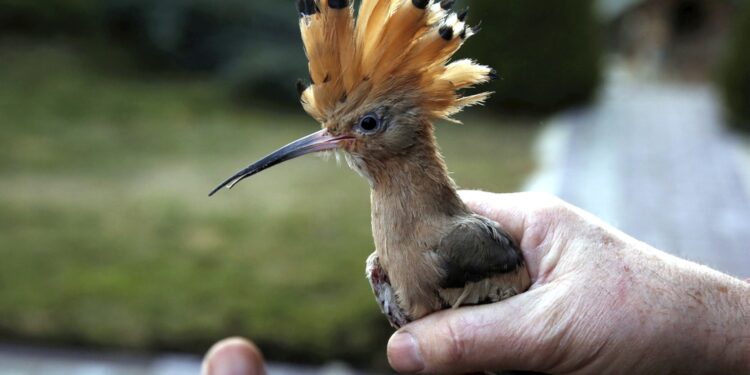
{"points": [[379, 82]]}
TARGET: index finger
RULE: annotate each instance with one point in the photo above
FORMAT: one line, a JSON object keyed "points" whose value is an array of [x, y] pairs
{"points": [[507, 209], [529, 218]]}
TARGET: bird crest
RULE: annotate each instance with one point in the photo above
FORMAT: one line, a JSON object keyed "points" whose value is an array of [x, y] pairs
{"points": [[393, 50]]}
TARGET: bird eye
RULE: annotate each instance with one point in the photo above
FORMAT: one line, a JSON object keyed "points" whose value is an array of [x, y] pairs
{"points": [[369, 124]]}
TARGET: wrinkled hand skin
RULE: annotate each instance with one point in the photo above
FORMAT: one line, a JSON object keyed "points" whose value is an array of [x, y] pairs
{"points": [[601, 302]]}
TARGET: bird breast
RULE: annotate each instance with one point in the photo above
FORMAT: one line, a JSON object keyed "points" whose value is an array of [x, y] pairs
{"points": [[405, 252]]}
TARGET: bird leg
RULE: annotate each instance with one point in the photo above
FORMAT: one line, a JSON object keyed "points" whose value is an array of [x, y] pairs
{"points": [[384, 293]]}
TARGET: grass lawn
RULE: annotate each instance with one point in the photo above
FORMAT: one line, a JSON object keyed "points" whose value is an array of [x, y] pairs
{"points": [[107, 237]]}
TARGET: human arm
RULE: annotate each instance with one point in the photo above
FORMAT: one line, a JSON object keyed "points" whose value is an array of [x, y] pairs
{"points": [[600, 302]]}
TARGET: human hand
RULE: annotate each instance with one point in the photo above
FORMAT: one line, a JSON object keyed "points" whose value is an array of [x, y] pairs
{"points": [[600, 302], [233, 356]]}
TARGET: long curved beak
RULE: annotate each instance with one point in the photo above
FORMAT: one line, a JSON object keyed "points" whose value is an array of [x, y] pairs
{"points": [[315, 142]]}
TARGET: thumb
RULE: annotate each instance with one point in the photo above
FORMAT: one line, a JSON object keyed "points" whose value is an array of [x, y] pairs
{"points": [[235, 356], [501, 336]]}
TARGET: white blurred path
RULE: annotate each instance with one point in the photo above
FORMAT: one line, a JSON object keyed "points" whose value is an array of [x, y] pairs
{"points": [[655, 160], [21, 360]]}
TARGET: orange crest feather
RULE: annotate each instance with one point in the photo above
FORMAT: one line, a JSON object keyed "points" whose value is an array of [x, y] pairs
{"points": [[394, 47]]}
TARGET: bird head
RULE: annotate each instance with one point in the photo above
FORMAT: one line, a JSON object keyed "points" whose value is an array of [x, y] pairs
{"points": [[378, 81]]}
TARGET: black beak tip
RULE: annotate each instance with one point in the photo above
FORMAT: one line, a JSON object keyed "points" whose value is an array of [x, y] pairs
{"points": [[315, 142], [216, 190], [228, 184]]}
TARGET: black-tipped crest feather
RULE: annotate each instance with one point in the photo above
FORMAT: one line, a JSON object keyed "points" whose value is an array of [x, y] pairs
{"points": [[338, 4], [462, 16], [301, 86], [306, 7], [421, 4], [446, 32], [392, 48], [447, 4]]}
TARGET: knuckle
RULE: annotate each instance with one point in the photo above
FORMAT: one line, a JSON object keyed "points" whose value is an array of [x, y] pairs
{"points": [[546, 214], [547, 200], [551, 207]]}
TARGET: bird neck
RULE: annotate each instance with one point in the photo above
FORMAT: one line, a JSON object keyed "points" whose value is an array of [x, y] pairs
{"points": [[413, 187], [414, 201]]}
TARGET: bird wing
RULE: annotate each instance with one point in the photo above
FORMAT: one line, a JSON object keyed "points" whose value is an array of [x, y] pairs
{"points": [[476, 249]]}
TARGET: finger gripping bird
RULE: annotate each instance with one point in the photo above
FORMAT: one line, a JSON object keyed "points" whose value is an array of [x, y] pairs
{"points": [[379, 81]]}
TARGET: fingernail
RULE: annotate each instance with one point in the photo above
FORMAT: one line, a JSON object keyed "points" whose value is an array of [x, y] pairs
{"points": [[403, 353], [236, 366], [234, 361]]}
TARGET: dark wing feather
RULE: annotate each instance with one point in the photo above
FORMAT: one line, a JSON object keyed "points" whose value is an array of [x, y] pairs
{"points": [[475, 249]]}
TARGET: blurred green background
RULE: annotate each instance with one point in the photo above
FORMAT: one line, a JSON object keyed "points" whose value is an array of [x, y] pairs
{"points": [[734, 73], [118, 117]]}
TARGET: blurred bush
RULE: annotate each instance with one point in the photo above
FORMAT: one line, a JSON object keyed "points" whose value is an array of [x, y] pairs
{"points": [[252, 46], [48, 16], [546, 53], [735, 73]]}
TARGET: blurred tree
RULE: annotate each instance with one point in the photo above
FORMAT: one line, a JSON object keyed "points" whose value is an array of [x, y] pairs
{"points": [[48, 16], [735, 72], [546, 53], [253, 46]]}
